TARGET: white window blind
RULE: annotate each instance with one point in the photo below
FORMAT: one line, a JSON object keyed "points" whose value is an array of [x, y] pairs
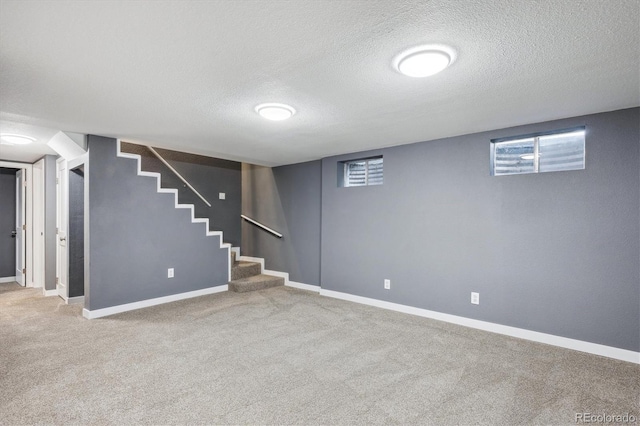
{"points": [[552, 152], [363, 172]]}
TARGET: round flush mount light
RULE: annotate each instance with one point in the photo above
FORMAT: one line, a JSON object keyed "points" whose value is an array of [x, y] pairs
{"points": [[275, 112], [424, 61], [11, 139]]}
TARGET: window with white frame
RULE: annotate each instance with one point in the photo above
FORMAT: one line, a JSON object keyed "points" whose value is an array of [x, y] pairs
{"points": [[538, 153], [364, 172]]}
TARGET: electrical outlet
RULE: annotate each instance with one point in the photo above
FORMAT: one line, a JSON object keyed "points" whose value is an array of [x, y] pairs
{"points": [[387, 284], [475, 298], [170, 273], [222, 195]]}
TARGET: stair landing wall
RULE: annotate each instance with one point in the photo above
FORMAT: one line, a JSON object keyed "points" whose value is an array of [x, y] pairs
{"points": [[287, 199], [210, 176], [136, 234]]}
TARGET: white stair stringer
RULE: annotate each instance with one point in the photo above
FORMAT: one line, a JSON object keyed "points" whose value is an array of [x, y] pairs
{"points": [[173, 191]]}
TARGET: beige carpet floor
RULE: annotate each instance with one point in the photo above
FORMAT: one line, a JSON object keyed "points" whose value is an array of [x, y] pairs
{"points": [[286, 356]]}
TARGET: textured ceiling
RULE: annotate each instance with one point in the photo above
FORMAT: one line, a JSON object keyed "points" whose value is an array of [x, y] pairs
{"points": [[186, 75], [26, 153]]}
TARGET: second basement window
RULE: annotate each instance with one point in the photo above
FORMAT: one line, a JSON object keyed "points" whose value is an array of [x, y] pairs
{"points": [[364, 172], [537, 153]]}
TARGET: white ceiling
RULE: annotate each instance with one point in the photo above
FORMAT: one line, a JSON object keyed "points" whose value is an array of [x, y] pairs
{"points": [[25, 153], [187, 75]]}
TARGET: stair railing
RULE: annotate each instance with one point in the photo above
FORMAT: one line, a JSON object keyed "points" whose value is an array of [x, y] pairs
{"points": [[266, 228], [154, 152]]}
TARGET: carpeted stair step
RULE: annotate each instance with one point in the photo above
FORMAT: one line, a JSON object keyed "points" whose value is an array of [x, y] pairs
{"points": [[244, 269], [256, 282]]}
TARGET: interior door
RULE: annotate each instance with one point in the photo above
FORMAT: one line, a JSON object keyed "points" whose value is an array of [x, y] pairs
{"points": [[38, 224], [20, 228], [62, 265]]}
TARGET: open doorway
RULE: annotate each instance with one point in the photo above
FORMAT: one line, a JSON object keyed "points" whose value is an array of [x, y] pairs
{"points": [[24, 213], [8, 220], [75, 235], [21, 176]]}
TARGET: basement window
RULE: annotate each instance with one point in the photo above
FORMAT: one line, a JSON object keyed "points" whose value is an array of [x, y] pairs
{"points": [[364, 172], [538, 153]]}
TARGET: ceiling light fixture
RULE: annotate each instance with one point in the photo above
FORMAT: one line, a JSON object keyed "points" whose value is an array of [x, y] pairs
{"points": [[10, 139], [424, 61], [275, 112]]}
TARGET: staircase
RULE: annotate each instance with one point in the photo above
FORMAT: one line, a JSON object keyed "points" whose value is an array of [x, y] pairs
{"points": [[245, 273], [247, 276]]}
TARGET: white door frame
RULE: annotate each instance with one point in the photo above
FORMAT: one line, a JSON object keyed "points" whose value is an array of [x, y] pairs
{"points": [[38, 224], [62, 225], [28, 241]]}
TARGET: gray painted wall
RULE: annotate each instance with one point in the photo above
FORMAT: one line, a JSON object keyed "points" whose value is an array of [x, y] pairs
{"points": [[7, 222], [75, 236], [50, 222], [555, 252], [286, 199], [210, 176], [136, 234]]}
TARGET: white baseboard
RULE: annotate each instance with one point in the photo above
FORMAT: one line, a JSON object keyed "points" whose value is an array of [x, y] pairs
{"points": [[302, 286], [7, 280], [49, 293], [75, 300], [549, 339], [99, 313], [284, 275]]}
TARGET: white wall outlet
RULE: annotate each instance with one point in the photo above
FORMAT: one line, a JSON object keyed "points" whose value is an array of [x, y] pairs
{"points": [[170, 273], [222, 195], [387, 284], [475, 298]]}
